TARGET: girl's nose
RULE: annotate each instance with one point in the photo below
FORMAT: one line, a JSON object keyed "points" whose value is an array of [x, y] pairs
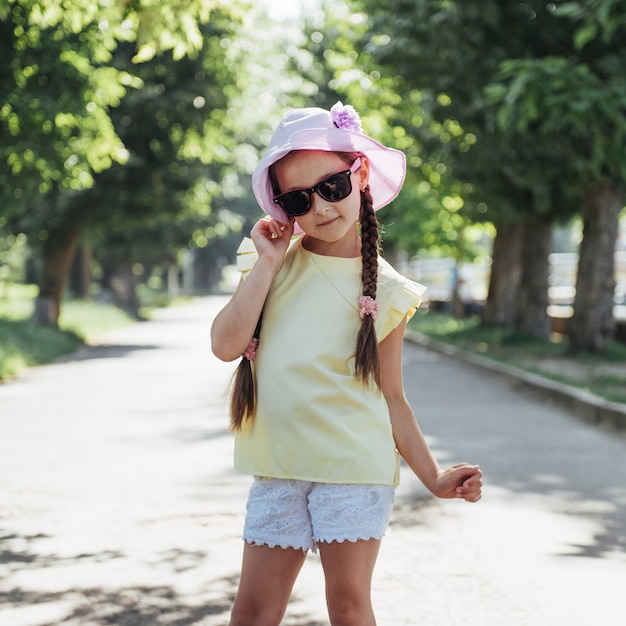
{"points": [[318, 204]]}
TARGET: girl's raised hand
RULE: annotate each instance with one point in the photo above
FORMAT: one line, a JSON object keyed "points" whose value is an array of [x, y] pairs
{"points": [[271, 238], [459, 481]]}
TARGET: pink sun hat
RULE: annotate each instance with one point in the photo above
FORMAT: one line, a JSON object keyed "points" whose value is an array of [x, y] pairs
{"points": [[337, 130]]}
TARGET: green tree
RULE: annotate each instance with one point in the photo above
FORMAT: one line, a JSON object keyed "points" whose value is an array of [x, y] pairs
{"points": [[58, 84], [575, 99], [450, 51], [175, 130], [58, 132]]}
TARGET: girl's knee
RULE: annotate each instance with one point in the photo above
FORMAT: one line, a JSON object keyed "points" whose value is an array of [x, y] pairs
{"points": [[255, 614], [350, 610]]}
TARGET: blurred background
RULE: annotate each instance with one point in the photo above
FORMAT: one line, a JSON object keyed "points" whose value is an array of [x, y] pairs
{"points": [[129, 131]]}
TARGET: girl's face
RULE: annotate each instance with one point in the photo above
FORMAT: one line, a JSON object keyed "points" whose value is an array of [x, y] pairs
{"points": [[330, 227]]}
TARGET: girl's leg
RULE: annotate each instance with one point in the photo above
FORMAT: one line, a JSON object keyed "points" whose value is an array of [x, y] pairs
{"points": [[267, 578], [348, 568]]}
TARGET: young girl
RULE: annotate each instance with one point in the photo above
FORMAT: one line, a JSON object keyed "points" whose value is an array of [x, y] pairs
{"points": [[318, 405]]}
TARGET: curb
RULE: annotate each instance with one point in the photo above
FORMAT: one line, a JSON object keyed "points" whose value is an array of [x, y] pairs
{"points": [[583, 404]]}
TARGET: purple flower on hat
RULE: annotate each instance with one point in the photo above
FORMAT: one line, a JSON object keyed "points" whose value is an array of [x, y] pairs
{"points": [[345, 116]]}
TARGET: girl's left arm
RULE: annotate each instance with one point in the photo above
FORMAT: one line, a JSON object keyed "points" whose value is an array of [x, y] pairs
{"points": [[459, 481]]}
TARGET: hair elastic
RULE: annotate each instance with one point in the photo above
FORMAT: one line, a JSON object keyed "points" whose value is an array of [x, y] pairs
{"points": [[250, 352], [369, 306]]}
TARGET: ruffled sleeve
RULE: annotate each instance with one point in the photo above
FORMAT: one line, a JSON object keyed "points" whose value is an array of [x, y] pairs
{"points": [[400, 297], [247, 256]]}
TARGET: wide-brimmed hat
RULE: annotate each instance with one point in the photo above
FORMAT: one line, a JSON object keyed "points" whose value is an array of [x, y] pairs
{"points": [[337, 130]]}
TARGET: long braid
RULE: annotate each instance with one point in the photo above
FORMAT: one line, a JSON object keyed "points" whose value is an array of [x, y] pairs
{"points": [[242, 391], [367, 361]]}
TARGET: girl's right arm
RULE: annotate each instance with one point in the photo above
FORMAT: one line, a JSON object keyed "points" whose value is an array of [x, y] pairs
{"points": [[459, 481], [234, 325]]}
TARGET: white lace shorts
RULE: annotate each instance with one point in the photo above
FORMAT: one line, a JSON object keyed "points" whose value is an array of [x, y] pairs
{"points": [[299, 514]]}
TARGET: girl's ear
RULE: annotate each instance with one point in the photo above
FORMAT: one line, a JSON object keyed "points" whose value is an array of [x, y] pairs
{"points": [[364, 173]]}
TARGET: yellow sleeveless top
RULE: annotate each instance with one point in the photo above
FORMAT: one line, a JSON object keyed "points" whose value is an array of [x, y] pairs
{"points": [[314, 421]]}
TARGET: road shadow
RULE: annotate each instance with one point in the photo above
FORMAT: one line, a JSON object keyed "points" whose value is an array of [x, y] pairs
{"points": [[135, 605], [104, 351], [525, 445], [142, 605], [20, 552], [131, 606]]}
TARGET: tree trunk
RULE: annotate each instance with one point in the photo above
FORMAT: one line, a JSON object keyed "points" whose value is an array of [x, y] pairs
{"points": [[500, 308], [593, 322], [124, 287], [57, 255], [173, 281], [532, 309], [80, 272]]}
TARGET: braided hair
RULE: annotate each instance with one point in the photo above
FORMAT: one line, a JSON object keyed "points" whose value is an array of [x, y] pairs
{"points": [[367, 361], [242, 392]]}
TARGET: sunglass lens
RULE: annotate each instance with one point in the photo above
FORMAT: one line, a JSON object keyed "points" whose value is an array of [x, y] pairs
{"points": [[296, 203], [336, 187]]}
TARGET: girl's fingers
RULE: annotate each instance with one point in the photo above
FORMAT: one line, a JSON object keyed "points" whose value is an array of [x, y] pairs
{"points": [[470, 489], [470, 486], [273, 229], [276, 232]]}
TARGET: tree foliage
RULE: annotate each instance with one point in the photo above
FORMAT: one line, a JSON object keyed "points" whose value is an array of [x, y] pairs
{"points": [[537, 84], [451, 51], [111, 112], [58, 84], [575, 100]]}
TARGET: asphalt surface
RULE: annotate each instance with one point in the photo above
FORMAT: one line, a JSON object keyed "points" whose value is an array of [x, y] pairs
{"points": [[119, 505]]}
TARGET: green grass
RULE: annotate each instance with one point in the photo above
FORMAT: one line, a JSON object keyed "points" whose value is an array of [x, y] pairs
{"points": [[603, 375], [17, 301], [24, 343], [609, 386], [88, 319], [495, 342]]}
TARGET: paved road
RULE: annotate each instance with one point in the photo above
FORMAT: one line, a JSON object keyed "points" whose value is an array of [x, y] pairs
{"points": [[118, 504]]}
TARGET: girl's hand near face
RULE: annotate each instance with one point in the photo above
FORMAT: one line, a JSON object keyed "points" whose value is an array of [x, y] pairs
{"points": [[271, 238], [234, 325]]}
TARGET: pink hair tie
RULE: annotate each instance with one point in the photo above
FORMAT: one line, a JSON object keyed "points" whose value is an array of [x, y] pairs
{"points": [[369, 306], [250, 352]]}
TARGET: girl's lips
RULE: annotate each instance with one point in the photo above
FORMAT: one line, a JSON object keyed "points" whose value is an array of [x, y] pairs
{"points": [[329, 222]]}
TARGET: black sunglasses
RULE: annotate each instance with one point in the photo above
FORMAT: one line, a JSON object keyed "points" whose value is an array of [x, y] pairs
{"points": [[333, 189]]}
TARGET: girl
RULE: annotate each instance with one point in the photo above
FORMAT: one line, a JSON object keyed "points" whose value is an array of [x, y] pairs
{"points": [[318, 405]]}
